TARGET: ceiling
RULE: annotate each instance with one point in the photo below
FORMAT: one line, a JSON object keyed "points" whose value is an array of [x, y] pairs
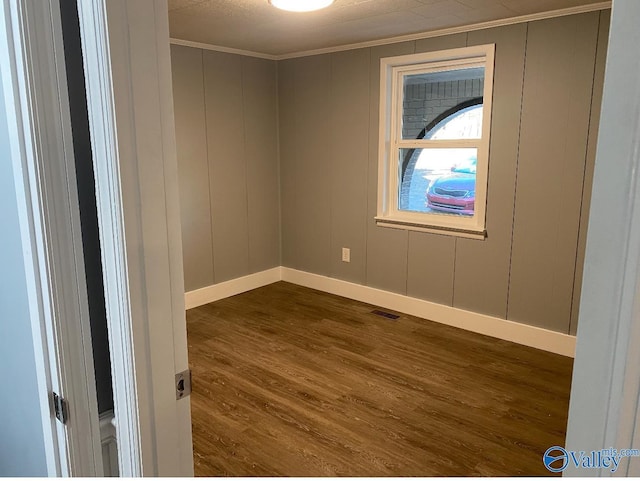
{"points": [[256, 26]]}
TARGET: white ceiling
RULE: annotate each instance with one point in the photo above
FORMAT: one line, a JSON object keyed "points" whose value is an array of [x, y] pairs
{"points": [[256, 26]]}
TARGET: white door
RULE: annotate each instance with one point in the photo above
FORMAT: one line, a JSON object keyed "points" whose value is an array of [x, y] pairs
{"points": [[128, 75], [34, 90]]}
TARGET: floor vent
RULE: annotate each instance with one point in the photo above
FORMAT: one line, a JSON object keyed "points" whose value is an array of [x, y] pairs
{"points": [[388, 315]]}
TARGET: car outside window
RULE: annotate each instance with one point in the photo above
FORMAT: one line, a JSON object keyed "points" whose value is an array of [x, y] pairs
{"points": [[435, 117]]}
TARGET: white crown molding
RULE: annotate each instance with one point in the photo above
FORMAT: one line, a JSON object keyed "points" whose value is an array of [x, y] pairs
{"points": [[523, 334], [218, 48], [563, 12]]}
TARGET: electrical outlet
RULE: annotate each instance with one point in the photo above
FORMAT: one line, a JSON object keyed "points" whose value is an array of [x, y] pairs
{"points": [[346, 254]]}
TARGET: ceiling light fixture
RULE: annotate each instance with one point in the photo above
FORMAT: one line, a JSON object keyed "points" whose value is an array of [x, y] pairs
{"points": [[301, 5]]}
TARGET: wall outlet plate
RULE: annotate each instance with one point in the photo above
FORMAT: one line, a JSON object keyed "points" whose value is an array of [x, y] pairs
{"points": [[346, 254]]}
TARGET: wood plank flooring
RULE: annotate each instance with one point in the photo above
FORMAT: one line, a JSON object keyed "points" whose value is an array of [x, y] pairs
{"points": [[288, 381]]}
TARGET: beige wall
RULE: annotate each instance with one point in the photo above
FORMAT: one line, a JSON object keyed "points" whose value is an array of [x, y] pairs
{"points": [[547, 92], [543, 122], [226, 131]]}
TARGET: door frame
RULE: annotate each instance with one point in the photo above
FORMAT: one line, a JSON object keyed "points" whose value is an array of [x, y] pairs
{"points": [[604, 408], [130, 105], [34, 86]]}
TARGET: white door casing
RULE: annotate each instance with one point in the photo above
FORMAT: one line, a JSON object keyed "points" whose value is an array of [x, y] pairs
{"points": [[604, 409], [130, 103], [34, 85]]}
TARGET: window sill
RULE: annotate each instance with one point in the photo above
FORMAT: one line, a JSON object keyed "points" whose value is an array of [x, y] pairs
{"points": [[432, 229]]}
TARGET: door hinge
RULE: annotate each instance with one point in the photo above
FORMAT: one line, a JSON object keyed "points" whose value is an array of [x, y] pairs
{"points": [[60, 408], [183, 384]]}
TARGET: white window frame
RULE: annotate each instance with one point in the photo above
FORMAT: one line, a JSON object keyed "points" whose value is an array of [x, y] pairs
{"points": [[392, 72]]}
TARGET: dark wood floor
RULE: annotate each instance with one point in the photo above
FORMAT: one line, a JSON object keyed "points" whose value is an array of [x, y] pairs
{"points": [[291, 381]]}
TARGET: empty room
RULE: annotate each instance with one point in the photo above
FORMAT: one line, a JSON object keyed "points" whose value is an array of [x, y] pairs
{"points": [[320, 238], [384, 208], [381, 238]]}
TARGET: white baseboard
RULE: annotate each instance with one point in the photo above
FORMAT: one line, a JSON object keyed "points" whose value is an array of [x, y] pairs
{"points": [[109, 444], [489, 326], [213, 293], [526, 335]]}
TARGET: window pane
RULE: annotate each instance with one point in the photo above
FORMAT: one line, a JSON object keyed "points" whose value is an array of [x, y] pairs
{"points": [[466, 123], [438, 181], [431, 98]]}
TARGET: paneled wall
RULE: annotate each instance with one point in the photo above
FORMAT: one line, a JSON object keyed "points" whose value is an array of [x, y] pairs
{"points": [[227, 137], [278, 166], [547, 92]]}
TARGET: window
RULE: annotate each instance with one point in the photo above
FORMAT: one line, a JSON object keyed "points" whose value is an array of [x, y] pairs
{"points": [[434, 140]]}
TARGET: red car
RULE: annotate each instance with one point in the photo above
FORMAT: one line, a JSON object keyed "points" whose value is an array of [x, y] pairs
{"points": [[455, 193]]}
